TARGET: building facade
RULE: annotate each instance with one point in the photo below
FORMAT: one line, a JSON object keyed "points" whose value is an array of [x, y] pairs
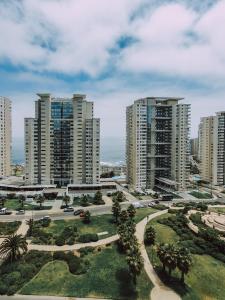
{"points": [[62, 142], [5, 136], [212, 148], [157, 143], [206, 137], [194, 147]]}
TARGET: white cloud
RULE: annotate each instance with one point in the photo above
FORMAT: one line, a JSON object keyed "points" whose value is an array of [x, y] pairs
{"points": [[78, 34], [175, 40]]}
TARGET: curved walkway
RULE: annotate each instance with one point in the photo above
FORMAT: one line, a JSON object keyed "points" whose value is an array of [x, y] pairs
{"points": [[73, 247], [160, 290]]}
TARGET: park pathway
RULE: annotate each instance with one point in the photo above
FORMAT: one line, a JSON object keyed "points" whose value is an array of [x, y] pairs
{"points": [[160, 290], [73, 247]]}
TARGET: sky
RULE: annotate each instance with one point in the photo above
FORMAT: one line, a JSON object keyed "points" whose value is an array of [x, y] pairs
{"points": [[114, 52]]}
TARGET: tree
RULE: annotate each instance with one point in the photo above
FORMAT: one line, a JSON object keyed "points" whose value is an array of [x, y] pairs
{"points": [[116, 210], [40, 199], [150, 236], [135, 263], [87, 217], [66, 200], [22, 199], [120, 196], [161, 253], [184, 262], [2, 202], [13, 247], [124, 216], [30, 223], [171, 257], [98, 198], [84, 201], [131, 211]]}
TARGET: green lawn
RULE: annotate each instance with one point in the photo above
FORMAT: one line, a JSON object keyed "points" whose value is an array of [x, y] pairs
{"points": [[98, 224], [14, 204], [200, 195], [107, 277], [206, 278], [217, 209], [7, 228], [143, 212], [101, 223]]}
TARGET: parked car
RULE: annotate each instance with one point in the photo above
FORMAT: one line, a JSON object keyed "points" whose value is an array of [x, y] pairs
{"points": [[78, 212], [20, 212], [137, 205], [46, 218], [68, 209]]}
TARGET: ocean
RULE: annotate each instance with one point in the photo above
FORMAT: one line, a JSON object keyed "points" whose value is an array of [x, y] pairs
{"points": [[112, 150]]}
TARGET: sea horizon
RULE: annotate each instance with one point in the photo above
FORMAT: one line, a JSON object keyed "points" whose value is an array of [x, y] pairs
{"points": [[112, 151]]}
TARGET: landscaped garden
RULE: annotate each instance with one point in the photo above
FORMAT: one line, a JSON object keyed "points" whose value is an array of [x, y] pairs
{"points": [[72, 231], [106, 277], [87, 200], [7, 228], [15, 204], [205, 279], [220, 210], [200, 195]]}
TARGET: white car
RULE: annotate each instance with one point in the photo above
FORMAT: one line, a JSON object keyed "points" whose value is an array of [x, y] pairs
{"points": [[20, 212]]}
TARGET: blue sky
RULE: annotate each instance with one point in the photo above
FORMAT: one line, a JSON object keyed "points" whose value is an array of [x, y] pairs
{"points": [[113, 51]]}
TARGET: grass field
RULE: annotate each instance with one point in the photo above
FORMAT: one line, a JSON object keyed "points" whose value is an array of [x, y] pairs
{"points": [[200, 195], [101, 223], [14, 204], [98, 224], [7, 228], [107, 277], [217, 209], [206, 278]]}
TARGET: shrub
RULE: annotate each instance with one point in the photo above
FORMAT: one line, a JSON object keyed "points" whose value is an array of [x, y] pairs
{"points": [[3, 288], [86, 250], [60, 241], [88, 237], [71, 241]]}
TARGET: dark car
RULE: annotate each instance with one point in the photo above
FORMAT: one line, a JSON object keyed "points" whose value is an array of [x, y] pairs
{"points": [[78, 212]]}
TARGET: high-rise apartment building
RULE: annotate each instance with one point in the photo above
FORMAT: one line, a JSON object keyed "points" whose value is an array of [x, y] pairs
{"points": [[62, 142], [157, 146], [5, 136], [194, 147], [206, 136], [212, 148]]}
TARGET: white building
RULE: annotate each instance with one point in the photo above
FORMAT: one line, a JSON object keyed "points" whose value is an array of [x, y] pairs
{"points": [[212, 148], [62, 142], [206, 134], [157, 146], [5, 136]]}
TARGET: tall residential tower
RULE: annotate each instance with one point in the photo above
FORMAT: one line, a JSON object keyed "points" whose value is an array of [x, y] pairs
{"points": [[157, 147], [62, 142], [5, 136]]}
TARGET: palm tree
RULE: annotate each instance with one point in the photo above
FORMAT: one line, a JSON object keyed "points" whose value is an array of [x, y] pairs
{"points": [[171, 257], [135, 263], [150, 236], [184, 262], [131, 211], [2, 201], [161, 253], [66, 200], [116, 210], [87, 217], [21, 200], [124, 216], [40, 200], [13, 247], [30, 223]]}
